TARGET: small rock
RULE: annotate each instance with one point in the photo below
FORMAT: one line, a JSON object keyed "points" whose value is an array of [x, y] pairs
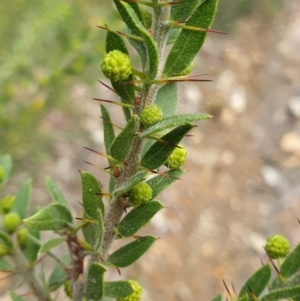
{"points": [[290, 142], [294, 106], [271, 175]]}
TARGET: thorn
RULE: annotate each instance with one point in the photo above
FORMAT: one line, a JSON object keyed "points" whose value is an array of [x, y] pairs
{"points": [[194, 28], [107, 86], [111, 123], [169, 3], [298, 220], [119, 271], [118, 103], [273, 264], [226, 287], [233, 289], [98, 167], [99, 153], [251, 293], [130, 36]]}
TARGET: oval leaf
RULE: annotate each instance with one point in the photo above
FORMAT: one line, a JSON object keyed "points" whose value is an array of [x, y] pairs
{"points": [[53, 217], [52, 243], [91, 195], [161, 182], [89, 229], [137, 27], [159, 152], [117, 289], [32, 247], [95, 284], [22, 199], [257, 282], [172, 121], [184, 9], [131, 182], [283, 293], [167, 99], [15, 297], [123, 141], [138, 217], [6, 164], [189, 41], [99, 233], [108, 129], [291, 264], [131, 252], [55, 192]]}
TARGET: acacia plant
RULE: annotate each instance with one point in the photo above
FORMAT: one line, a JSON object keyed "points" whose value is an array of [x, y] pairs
{"points": [[144, 158]]}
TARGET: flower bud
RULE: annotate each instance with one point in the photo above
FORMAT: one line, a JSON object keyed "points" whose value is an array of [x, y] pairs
{"points": [[277, 246], [116, 66], [137, 292], [141, 193], [177, 158], [68, 288], [7, 203], [22, 237], [11, 221], [151, 115]]}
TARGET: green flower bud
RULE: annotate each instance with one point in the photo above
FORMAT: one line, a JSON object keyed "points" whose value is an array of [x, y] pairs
{"points": [[11, 221], [7, 203], [177, 158], [4, 250], [68, 289], [277, 246], [2, 174], [141, 193], [22, 237], [137, 292], [116, 66], [151, 115], [187, 70]]}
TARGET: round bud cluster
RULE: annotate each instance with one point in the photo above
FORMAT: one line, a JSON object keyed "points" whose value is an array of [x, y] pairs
{"points": [[151, 115], [7, 203], [22, 237], [137, 292], [116, 66], [4, 250], [68, 289], [2, 174], [277, 246], [11, 221], [140, 194], [177, 158]]}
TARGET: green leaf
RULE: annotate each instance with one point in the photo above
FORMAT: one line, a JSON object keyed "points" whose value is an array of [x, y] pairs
{"points": [[138, 217], [108, 129], [5, 265], [291, 264], [257, 282], [99, 227], [32, 247], [183, 10], [52, 243], [95, 283], [244, 298], [6, 163], [115, 42], [167, 99], [59, 275], [283, 293], [55, 192], [138, 46], [6, 240], [89, 229], [53, 217], [217, 298], [131, 252], [159, 152], [22, 199], [189, 41], [117, 289], [15, 297], [161, 182], [136, 26], [174, 33], [91, 195], [131, 182], [172, 121], [123, 141]]}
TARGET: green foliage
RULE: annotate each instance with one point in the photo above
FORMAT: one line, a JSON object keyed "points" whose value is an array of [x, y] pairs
{"points": [[95, 283], [56, 194], [131, 252], [117, 289], [50, 244]]}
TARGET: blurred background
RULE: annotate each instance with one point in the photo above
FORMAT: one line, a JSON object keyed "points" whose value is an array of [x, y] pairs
{"points": [[242, 183]]}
